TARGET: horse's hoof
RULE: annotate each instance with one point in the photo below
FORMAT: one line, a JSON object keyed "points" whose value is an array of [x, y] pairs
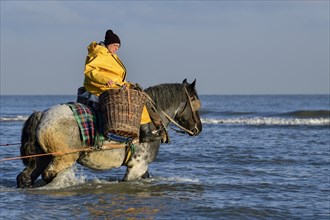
{"points": [[48, 176], [23, 181]]}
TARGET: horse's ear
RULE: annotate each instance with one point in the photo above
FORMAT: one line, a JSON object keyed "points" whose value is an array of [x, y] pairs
{"points": [[192, 85]]}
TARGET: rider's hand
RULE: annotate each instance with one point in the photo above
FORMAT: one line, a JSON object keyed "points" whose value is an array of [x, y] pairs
{"points": [[110, 83]]}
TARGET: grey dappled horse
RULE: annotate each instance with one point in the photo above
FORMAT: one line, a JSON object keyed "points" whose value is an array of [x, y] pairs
{"points": [[56, 130]]}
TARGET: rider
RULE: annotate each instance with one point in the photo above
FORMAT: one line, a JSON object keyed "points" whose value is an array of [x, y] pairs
{"points": [[104, 70]]}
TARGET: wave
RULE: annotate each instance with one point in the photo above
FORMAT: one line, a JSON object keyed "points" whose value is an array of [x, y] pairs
{"points": [[308, 114], [224, 113], [292, 114], [233, 113], [302, 117], [269, 121], [14, 118]]}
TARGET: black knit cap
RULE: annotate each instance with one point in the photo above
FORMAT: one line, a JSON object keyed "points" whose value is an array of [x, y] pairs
{"points": [[111, 38]]}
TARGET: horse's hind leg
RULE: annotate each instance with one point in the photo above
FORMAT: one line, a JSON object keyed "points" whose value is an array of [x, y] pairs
{"points": [[33, 170], [59, 133], [59, 164]]}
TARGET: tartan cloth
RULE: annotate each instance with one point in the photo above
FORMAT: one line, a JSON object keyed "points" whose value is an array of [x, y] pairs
{"points": [[86, 120]]}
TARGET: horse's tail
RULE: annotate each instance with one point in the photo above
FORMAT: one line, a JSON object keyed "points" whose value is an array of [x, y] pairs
{"points": [[29, 143]]}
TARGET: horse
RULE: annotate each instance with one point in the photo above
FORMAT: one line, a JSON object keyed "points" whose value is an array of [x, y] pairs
{"points": [[56, 130]]}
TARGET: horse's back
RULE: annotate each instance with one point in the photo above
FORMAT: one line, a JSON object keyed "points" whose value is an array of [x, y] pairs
{"points": [[56, 118]]}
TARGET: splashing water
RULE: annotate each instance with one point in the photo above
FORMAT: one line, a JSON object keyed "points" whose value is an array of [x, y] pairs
{"points": [[68, 178]]}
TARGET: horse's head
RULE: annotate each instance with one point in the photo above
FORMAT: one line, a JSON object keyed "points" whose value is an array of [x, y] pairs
{"points": [[187, 114], [179, 104]]}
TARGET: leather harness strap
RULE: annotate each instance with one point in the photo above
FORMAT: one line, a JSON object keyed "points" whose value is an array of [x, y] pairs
{"points": [[171, 119]]}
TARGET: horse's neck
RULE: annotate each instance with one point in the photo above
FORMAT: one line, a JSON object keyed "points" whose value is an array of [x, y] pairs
{"points": [[170, 112], [172, 103]]}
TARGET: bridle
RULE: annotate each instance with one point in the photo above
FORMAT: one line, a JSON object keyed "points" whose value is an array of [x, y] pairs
{"points": [[193, 103]]}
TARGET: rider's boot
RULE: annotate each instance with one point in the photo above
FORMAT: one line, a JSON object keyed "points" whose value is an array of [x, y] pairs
{"points": [[147, 134]]}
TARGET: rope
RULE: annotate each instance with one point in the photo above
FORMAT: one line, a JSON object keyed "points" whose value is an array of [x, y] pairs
{"points": [[105, 147], [46, 154], [10, 144]]}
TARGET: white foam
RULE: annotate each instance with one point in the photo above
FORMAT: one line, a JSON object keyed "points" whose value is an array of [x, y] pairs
{"points": [[269, 121], [182, 179], [173, 179], [16, 118], [67, 178]]}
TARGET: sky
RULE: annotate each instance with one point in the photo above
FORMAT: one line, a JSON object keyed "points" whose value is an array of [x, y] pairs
{"points": [[229, 47]]}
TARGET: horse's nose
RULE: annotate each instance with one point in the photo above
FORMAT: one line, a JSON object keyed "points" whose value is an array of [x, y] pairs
{"points": [[196, 131]]}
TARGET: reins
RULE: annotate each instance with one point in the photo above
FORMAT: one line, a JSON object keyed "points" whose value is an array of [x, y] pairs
{"points": [[179, 126], [171, 119]]}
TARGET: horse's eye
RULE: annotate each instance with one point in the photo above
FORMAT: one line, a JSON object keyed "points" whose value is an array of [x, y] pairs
{"points": [[181, 120]]}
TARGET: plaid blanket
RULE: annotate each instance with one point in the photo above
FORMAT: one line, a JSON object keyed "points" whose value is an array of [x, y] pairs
{"points": [[87, 122]]}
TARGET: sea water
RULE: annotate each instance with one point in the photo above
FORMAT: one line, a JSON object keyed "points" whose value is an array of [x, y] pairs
{"points": [[258, 157]]}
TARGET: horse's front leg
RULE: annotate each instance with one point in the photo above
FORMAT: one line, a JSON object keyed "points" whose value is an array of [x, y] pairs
{"points": [[146, 175], [136, 168]]}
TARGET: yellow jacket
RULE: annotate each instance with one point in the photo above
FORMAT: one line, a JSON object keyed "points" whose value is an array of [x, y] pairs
{"points": [[100, 67]]}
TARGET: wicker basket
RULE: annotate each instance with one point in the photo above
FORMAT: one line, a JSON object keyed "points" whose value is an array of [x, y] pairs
{"points": [[121, 111]]}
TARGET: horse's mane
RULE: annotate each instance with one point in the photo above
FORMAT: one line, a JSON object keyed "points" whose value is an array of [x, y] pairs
{"points": [[166, 95]]}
